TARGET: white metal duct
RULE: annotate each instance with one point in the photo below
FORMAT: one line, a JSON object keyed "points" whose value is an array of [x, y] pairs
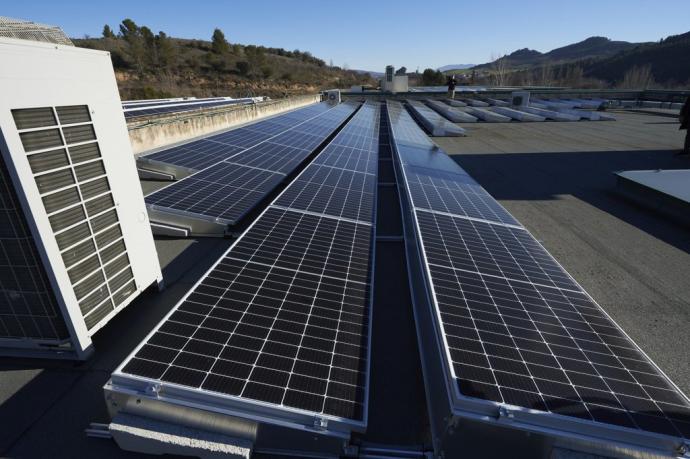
{"points": [[72, 199]]}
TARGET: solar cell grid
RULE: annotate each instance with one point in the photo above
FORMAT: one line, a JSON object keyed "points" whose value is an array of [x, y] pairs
{"points": [[332, 191], [318, 129], [348, 158], [267, 126], [225, 191], [244, 137], [354, 139], [213, 149], [515, 327], [325, 189], [302, 140], [310, 243], [552, 350], [135, 112], [282, 319], [490, 249], [195, 155], [273, 157], [454, 193], [228, 190]]}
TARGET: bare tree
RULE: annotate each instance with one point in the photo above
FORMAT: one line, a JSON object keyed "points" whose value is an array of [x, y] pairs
{"points": [[571, 75], [546, 75], [638, 78], [500, 69]]}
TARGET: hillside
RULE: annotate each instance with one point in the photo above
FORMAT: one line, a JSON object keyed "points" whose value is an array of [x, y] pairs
{"points": [[149, 65], [447, 68], [596, 62], [668, 60], [590, 48]]}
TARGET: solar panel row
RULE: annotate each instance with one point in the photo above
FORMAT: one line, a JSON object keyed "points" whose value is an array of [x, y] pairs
{"points": [[180, 107], [282, 320], [226, 191], [201, 153], [515, 328], [342, 180], [160, 102]]}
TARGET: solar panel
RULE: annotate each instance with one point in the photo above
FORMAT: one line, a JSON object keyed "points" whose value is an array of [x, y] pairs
{"points": [[162, 102], [490, 249], [292, 333], [273, 156], [199, 154], [227, 191], [453, 193], [195, 155], [308, 140], [324, 188], [349, 158], [433, 122], [242, 137], [517, 331], [280, 325], [332, 191], [180, 107]]}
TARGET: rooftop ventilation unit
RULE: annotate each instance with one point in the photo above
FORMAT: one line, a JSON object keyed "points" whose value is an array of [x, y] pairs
{"points": [[27, 30], [519, 99], [333, 96], [76, 245], [390, 70]]}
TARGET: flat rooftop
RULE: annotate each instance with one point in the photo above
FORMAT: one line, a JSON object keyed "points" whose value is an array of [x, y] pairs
{"points": [[556, 178]]}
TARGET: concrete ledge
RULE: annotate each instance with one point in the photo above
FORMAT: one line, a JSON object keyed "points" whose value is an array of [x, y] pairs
{"points": [[143, 435], [661, 191], [166, 130]]}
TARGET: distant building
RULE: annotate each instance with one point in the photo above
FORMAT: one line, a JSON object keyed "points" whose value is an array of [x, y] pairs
{"points": [[393, 83]]}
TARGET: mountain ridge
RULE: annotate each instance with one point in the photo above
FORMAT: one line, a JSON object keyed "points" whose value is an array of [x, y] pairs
{"points": [[595, 47]]}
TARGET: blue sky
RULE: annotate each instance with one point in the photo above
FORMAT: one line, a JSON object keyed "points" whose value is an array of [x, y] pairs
{"points": [[370, 34]]}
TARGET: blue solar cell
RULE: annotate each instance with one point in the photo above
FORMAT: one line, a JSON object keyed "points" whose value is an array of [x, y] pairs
{"points": [[194, 155], [224, 191], [454, 193], [331, 191]]}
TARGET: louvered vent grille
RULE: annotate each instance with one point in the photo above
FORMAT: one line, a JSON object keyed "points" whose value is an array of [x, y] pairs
{"points": [[65, 159]]}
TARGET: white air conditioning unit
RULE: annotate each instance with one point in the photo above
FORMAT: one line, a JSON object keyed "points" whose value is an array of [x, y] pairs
{"points": [[519, 98], [333, 96], [75, 237]]}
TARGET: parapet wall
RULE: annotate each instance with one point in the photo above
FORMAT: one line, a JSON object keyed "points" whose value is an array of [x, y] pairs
{"points": [[165, 130]]}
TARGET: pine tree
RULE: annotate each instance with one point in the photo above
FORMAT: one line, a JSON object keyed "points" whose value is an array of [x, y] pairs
{"points": [[167, 53], [219, 44], [108, 32], [132, 35]]}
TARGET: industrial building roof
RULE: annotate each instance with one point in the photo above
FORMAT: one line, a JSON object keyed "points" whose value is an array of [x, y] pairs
{"points": [[556, 178]]}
